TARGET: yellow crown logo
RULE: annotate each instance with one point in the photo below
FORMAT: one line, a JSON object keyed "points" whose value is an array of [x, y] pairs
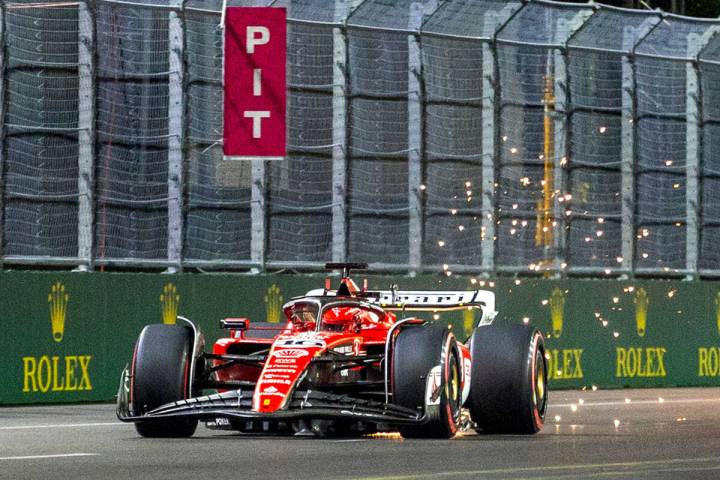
{"points": [[273, 304], [58, 301], [557, 311], [717, 311], [641, 306], [169, 301]]}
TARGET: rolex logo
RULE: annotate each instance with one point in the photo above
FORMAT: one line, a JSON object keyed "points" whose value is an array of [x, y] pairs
{"points": [[717, 310], [557, 311], [273, 304], [641, 305], [58, 300], [169, 301]]}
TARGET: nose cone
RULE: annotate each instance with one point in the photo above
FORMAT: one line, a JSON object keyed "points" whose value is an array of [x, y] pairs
{"points": [[284, 366]]}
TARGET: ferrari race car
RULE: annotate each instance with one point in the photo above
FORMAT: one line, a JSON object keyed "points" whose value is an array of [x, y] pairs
{"points": [[346, 361]]}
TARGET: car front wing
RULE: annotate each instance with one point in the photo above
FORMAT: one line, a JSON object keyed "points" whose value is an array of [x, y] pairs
{"points": [[237, 404]]}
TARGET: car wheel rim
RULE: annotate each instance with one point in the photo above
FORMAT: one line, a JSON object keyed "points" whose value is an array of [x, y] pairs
{"points": [[540, 396], [453, 387]]}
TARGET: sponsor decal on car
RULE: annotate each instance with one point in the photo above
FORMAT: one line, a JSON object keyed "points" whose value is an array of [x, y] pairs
{"points": [[467, 365], [271, 394], [286, 361], [302, 340], [273, 375], [276, 381], [280, 370], [290, 353], [344, 349], [434, 381]]}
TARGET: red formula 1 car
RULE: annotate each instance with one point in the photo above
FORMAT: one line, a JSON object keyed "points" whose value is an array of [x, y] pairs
{"points": [[347, 361]]}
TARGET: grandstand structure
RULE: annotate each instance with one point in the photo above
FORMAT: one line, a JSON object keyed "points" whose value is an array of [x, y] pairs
{"points": [[477, 136]]}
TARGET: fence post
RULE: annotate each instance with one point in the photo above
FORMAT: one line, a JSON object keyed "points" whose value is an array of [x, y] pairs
{"points": [[692, 156], [175, 137], [339, 134], [258, 193], [695, 45], [627, 152], [257, 212], [560, 127], [489, 134], [415, 138], [3, 77], [86, 134]]}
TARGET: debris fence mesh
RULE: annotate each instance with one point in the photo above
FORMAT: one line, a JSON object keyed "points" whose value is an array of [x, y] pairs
{"points": [[468, 135]]}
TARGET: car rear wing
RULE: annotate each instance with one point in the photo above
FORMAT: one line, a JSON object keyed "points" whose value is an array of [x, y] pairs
{"points": [[428, 300], [436, 301]]}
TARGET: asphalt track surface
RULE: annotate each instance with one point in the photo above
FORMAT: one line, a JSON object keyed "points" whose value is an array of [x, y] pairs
{"points": [[633, 434]]}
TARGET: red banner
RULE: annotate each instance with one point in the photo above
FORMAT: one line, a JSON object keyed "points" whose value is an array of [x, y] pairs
{"points": [[254, 83]]}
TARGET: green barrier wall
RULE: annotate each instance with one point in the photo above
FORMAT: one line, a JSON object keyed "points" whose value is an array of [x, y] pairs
{"points": [[65, 336]]}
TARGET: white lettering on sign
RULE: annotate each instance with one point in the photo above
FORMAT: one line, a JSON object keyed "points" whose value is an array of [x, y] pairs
{"points": [[257, 82], [256, 35], [257, 116]]}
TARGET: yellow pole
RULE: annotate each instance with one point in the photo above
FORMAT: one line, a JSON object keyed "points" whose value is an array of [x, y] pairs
{"points": [[544, 227]]}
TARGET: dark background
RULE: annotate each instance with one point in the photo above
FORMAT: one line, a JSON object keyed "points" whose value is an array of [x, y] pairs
{"points": [[693, 8]]}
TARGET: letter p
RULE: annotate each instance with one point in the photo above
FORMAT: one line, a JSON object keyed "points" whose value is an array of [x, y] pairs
{"points": [[256, 36]]}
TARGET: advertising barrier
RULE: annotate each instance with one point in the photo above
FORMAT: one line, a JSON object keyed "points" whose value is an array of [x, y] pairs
{"points": [[66, 336]]}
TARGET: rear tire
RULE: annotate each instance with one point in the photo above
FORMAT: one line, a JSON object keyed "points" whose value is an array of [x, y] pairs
{"points": [[160, 375], [508, 390], [418, 350]]}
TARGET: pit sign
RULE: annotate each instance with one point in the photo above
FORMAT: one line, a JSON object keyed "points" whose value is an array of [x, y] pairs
{"points": [[254, 83]]}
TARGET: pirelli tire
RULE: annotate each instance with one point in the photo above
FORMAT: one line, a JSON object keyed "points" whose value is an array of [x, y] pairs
{"points": [[417, 351], [508, 389], [161, 374]]}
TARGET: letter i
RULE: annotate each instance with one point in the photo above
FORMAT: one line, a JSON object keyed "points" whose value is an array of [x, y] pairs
{"points": [[257, 82]]}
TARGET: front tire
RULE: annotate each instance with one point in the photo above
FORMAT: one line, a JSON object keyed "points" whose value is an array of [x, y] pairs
{"points": [[160, 375], [417, 351], [508, 390]]}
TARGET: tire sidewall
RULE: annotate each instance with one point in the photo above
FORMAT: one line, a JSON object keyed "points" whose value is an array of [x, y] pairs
{"points": [[538, 399], [538, 406], [504, 392], [430, 346], [450, 413], [160, 374]]}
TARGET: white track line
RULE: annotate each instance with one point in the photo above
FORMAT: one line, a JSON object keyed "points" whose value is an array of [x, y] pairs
{"points": [[63, 425], [60, 455], [618, 403]]}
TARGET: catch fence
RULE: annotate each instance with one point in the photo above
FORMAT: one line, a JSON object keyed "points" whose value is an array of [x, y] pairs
{"points": [[480, 136]]}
